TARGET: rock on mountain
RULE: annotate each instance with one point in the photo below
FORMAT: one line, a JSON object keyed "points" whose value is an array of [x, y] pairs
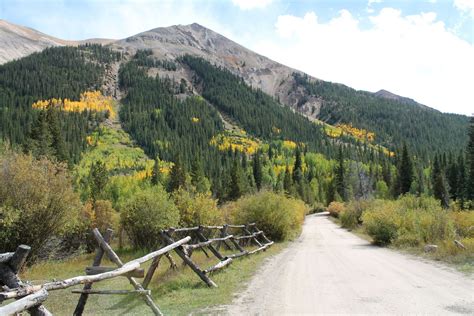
{"points": [[258, 71]]}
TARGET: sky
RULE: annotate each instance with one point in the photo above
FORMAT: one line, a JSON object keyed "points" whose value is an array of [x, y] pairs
{"points": [[421, 49]]}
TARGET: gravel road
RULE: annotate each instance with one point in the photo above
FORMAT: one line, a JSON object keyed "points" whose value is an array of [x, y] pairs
{"points": [[331, 271]]}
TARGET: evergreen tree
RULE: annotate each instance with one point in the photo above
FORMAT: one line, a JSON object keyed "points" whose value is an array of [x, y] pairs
{"points": [[257, 170], [99, 177], [340, 181], [440, 190], [461, 193], [57, 139], [405, 172], [41, 138], [470, 160], [156, 176], [237, 185], [177, 176], [298, 167], [198, 179], [452, 175], [287, 183]]}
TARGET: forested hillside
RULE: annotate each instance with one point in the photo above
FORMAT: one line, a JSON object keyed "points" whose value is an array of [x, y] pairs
{"points": [[62, 73], [426, 131]]}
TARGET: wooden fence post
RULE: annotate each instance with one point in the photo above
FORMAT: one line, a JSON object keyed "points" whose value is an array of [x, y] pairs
{"points": [[97, 260], [188, 261], [115, 259]]}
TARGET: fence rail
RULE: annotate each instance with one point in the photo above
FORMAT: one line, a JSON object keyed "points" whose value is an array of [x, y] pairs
{"points": [[182, 241]]}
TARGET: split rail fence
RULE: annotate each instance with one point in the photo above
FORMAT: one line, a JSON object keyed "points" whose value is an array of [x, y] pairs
{"points": [[224, 243]]}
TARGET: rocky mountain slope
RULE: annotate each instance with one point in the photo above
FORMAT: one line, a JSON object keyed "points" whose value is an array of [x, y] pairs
{"points": [[18, 41]]}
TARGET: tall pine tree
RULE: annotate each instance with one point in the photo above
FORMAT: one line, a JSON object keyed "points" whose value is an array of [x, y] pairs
{"points": [[405, 172]]}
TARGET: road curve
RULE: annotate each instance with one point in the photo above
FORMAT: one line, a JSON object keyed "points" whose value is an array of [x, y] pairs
{"points": [[331, 271]]}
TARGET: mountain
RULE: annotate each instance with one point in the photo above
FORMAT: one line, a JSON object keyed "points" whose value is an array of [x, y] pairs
{"points": [[394, 120], [18, 41]]}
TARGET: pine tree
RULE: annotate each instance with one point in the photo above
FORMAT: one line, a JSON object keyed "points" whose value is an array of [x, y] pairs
{"points": [[452, 175], [156, 176], [257, 170], [236, 186], [298, 167], [198, 179], [177, 176], [440, 190], [98, 179], [340, 181], [461, 193], [287, 183], [470, 161], [405, 172], [57, 139], [41, 138]]}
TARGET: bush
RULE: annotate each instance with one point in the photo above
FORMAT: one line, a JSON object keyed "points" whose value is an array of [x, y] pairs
{"points": [[463, 223], [197, 209], [280, 217], [381, 225], [351, 216], [145, 214], [336, 208], [36, 200]]}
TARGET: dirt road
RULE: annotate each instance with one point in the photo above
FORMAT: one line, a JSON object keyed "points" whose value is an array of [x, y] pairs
{"points": [[330, 271]]}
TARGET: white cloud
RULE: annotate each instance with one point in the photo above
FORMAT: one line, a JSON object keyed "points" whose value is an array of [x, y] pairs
{"points": [[373, 1], [414, 56], [251, 4], [465, 6]]}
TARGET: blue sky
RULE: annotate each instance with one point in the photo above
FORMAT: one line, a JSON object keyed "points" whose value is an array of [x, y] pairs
{"points": [[420, 49]]}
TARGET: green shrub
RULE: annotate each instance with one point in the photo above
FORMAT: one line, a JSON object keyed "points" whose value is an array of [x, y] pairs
{"points": [[280, 217], [336, 208], [381, 225], [463, 223], [36, 200], [145, 214], [351, 216], [197, 209]]}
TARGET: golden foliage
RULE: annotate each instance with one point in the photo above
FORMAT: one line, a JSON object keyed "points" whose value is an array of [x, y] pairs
{"points": [[235, 141], [195, 119], [289, 144], [89, 101]]}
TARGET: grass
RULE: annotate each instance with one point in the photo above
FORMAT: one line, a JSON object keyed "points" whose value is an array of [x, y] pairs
{"points": [[175, 292]]}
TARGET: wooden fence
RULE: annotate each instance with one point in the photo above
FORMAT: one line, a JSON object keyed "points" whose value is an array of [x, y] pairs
{"points": [[238, 240]]}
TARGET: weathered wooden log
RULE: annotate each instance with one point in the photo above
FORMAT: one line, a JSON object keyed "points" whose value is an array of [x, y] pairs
{"points": [[115, 259], [19, 258], [261, 248], [64, 284], [99, 254], [212, 227], [211, 247], [248, 236], [254, 238], [112, 292], [151, 271], [218, 266], [239, 254], [24, 303], [188, 261], [182, 229], [5, 257], [222, 235], [11, 280], [265, 238], [206, 243], [173, 264], [459, 244], [139, 273], [235, 226]]}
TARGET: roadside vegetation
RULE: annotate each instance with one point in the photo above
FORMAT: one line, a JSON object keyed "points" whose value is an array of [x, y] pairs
{"points": [[417, 224]]}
